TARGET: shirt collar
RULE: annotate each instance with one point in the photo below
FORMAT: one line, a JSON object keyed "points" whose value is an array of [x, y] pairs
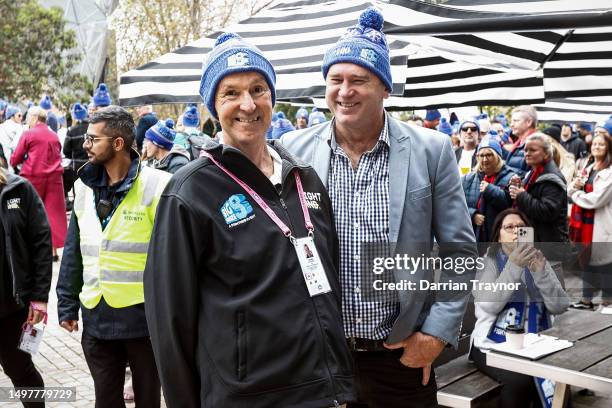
{"points": [[383, 138]]}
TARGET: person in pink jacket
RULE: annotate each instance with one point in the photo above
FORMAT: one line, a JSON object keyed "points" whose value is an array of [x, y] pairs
{"points": [[39, 152]]}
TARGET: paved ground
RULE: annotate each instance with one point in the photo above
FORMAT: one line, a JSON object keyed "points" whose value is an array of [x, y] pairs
{"points": [[61, 362]]}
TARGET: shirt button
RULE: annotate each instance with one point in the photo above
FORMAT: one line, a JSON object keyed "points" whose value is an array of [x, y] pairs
{"points": [[358, 320], [356, 193], [356, 257], [357, 290], [356, 225]]}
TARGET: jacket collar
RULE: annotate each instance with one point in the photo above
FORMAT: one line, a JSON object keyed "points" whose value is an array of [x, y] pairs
{"points": [[94, 176], [12, 182]]}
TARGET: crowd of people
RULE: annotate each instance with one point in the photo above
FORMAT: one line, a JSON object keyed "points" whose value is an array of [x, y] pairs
{"points": [[245, 236]]}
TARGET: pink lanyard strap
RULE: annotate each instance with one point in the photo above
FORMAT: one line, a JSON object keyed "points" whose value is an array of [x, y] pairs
{"points": [[262, 203]]}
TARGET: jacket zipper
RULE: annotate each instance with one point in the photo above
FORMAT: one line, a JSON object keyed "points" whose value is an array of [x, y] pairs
{"points": [[7, 232]]}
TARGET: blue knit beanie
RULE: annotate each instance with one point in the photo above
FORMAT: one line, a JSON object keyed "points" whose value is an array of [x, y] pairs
{"points": [[79, 112], [491, 143], [281, 127], [432, 114], [161, 135], [280, 115], [191, 117], [230, 55], [101, 96], [45, 102], [608, 125], [3, 104], [11, 110], [316, 118], [586, 126], [363, 44], [302, 113], [501, 118], [445, 127]]}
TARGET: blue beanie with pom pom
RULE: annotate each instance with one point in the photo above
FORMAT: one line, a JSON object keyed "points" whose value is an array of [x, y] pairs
{"points": [[363, 44], [161, 135], [191, 117], [302, 113], [79, 112], [230, 55], [101, 96], [45, 102]]}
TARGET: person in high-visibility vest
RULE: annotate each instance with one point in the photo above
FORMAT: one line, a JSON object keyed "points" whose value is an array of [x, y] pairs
{"points": [[104, 258]]}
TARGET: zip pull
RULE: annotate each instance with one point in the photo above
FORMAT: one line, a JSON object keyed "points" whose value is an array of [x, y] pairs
{"points": [[283, 203], [336, 404]]}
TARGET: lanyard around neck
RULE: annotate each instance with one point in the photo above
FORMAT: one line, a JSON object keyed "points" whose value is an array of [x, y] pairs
{"points": [[283, 227]]}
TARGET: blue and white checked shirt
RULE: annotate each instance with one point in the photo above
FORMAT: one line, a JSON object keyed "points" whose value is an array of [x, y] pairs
{"points": [[360, 200]]}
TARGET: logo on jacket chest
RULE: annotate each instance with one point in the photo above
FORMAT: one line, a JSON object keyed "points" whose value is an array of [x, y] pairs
{"points": [[13, 204], [237, 210], [313, 200]]}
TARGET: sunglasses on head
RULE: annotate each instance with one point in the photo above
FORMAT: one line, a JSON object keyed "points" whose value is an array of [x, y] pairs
{"points": [[467, 128]]}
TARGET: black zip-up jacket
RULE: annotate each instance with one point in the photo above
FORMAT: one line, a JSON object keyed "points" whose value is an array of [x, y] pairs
{"points": [[73, 145], [576, 146], [230, 317], [27, 238]]}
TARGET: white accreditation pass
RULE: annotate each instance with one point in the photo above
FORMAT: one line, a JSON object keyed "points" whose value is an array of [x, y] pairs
{"points": [[312, 269], [31, 337]]}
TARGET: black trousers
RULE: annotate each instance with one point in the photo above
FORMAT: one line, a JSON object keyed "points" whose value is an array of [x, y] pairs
{"points": [[518, 390], [107, 360], [382, 381], [16, 364]]}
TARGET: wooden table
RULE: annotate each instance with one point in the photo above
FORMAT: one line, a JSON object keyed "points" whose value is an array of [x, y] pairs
{"points": [[588, 364]]}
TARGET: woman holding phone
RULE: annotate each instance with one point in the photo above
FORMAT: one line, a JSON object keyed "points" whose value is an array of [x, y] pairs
{"points": [[591, 223], [531, 307]]}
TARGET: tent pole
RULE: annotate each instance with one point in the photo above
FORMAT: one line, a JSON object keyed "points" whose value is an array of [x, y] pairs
{"points": [[557, 45]]}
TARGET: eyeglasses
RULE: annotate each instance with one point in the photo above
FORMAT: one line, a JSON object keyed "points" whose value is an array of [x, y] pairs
{"points": [[485, 155], [468, 128], [511, 228], [92, 138]]}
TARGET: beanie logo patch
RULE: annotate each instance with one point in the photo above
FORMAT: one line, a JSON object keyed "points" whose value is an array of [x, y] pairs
{"points": [[342, 51], [368, 55], [240, 59]]}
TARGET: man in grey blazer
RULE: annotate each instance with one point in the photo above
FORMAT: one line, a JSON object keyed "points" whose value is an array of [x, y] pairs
{"points": [[390, 183]]}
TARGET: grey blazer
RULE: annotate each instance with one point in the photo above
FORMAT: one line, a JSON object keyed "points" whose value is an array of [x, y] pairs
{"points": [[425, 201]]}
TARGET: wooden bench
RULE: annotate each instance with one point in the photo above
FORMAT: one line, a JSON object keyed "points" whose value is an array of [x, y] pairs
{"points": [[461, 385]]}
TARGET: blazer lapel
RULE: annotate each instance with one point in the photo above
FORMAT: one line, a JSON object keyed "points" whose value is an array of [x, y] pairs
{"points": [[399, 164], [322, 153]]}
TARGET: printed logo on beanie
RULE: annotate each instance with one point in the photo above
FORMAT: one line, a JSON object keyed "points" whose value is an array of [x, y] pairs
{"points": [[240, 59], [342, 51], [369, 55], [237, 210]]}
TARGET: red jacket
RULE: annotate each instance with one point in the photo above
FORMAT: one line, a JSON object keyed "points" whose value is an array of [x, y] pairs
{"points": [[43, 150]]}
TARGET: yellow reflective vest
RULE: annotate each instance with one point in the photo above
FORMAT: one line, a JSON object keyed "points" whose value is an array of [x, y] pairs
{"points": [[114, 258]]}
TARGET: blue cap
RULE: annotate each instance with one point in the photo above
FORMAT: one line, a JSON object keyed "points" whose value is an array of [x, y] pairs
{"points": [[45, 102], [161, 135], [11, 110], [445, 127], [491, 143], [230, 55], [79, 112], [365, 45], [101, 96], [432, 115], [191, 117]]}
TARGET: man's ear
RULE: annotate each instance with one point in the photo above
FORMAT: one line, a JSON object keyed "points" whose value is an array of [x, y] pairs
{"points": [[118, 144]]}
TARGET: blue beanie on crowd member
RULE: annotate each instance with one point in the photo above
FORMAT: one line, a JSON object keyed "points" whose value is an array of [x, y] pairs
{"points": [[316, 118], [474, 122], [491, 143], [281, 127], [79, 112], [101, 96], [432, 115], [302, 113], [365, 45], [161, 135], [445, 127], [3, 105], [608, 125], [11, 110], [191, 117], [586, 126], [501, 118], [230, 55], [45, 102], [269, 131], [169, 123]]}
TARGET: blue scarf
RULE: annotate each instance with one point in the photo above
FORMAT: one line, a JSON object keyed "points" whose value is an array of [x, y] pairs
{"points": [[514, 314]]}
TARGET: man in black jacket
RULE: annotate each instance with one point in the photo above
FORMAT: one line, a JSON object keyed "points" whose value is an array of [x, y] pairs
{"points": [[240, 315], [146, 119], [572, 142], [25, 274]]}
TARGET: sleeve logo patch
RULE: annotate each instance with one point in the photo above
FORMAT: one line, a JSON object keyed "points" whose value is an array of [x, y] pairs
{"points": [[237, 210]]}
